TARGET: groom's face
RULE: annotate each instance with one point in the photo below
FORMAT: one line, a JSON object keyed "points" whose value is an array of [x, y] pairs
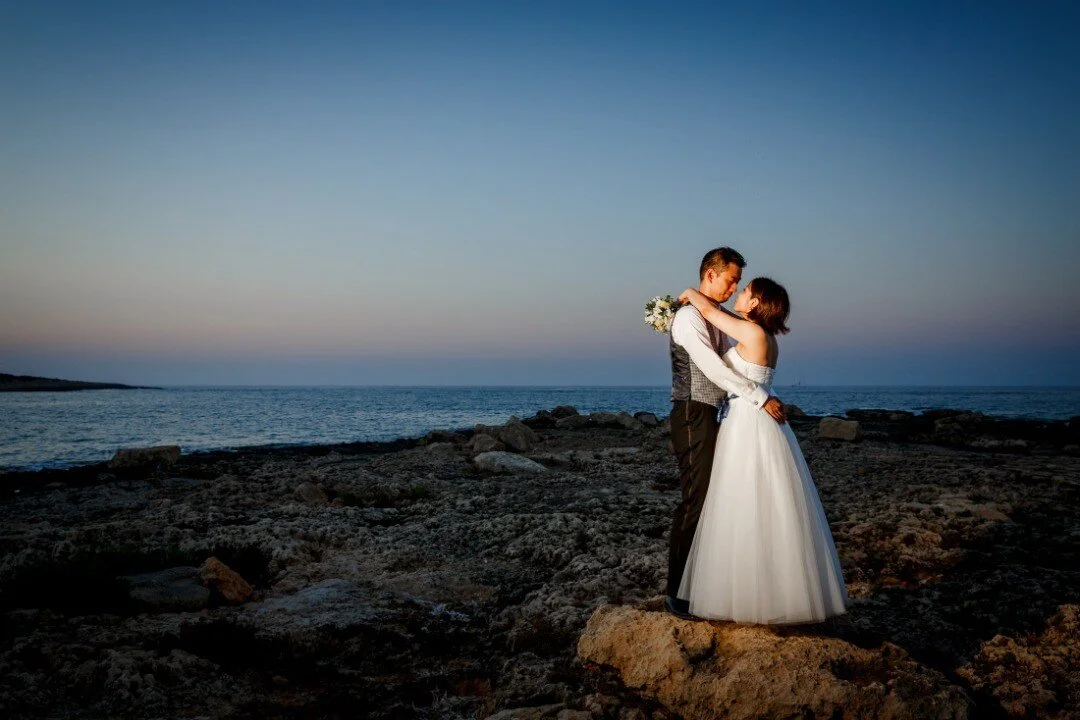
{"points": [[722, 285]]}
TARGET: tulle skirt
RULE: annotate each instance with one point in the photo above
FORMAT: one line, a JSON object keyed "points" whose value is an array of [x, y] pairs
{"points": [[762, 552]]}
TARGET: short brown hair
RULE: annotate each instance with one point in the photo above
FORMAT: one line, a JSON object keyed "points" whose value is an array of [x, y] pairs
{"points": [[718, 259], [773, 306]]}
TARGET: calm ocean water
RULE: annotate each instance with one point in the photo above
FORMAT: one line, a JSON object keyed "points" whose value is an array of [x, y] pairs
{"points": [[59, 429]]}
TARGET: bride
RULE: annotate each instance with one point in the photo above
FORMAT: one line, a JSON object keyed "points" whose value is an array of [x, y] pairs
{"points": [[762, 552]]}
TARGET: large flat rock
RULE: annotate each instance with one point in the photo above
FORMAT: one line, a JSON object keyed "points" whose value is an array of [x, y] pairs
{"points": [[497, 461], [133, 457], [173, 589], [709, 670]]}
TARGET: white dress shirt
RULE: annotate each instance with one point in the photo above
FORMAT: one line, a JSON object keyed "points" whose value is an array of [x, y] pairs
{"points": [[694, 333]]}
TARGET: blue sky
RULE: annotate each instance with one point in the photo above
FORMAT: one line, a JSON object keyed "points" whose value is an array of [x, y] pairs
{"points": [[488, 193]]}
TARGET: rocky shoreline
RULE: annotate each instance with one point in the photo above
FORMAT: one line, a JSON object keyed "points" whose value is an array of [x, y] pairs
{"points": [[517, 571]]}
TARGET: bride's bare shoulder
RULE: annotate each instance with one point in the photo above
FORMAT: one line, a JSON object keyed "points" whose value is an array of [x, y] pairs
{"points": [[773, 352]]}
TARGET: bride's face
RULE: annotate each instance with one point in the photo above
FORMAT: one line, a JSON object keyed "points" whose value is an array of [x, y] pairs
{"points": [[744, 302]]}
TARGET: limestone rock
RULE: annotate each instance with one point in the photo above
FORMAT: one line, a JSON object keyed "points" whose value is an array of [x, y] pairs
{"points": [[224, 581], [571, 422], [569, 714], [604, 418], [333, 603], [518, 436], [960, 428], [507, 462], [832, 428], [445, 436], [538, 712], [515, 434], [317, 621], [181, 483], [629, 422], [175, 589], [330, 458], [564, 411], [542, 420], [482, 443], [617, 452], [133, 457], [880, 415], [599, 419], [706, 670], [647, 419], [1032, 676], [310, 493]]}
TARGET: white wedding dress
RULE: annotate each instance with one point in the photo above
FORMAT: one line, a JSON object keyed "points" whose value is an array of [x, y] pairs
{"points": [[762, 552]]}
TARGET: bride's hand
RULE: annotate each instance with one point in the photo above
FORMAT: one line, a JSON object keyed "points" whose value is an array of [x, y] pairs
{"points": [[685, 297]]}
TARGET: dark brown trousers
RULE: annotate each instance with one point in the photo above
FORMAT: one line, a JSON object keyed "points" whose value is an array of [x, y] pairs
{"points": [[693, 434]]}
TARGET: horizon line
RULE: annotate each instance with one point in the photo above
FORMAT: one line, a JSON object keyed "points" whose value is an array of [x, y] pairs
{"points": [[586, 385]]}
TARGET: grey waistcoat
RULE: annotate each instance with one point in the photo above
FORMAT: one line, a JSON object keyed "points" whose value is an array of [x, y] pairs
{"points": [[687, 381]]}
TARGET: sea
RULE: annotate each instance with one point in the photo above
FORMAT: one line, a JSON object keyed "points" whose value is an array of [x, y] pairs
{"points": [[61, 429]]}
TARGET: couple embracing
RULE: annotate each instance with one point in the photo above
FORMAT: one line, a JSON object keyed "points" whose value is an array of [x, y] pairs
{"points": [[750, 541]]}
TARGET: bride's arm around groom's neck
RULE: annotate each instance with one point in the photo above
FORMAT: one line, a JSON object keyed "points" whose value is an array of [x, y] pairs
{"points": [[690, 331]]}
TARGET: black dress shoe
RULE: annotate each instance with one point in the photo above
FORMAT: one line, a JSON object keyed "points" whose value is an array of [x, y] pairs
{"points": [[679, 608]]}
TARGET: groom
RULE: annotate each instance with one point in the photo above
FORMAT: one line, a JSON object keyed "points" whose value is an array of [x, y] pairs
{"points": [[699, 386]]}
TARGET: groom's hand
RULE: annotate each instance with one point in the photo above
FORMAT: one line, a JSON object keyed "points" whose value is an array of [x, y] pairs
{"points": [[774, 407]]}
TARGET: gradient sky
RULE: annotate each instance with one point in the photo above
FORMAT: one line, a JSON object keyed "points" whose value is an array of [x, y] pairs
{"points": [[488, 193]]}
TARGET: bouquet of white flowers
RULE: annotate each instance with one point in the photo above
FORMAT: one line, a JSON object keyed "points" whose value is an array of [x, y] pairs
{"points": [[659, 312]]}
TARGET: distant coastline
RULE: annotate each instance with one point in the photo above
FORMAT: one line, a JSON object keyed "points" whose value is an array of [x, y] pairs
{"points": [[29, 383]]}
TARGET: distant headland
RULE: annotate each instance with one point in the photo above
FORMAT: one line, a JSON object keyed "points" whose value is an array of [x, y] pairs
{"points": [[27, 383]]}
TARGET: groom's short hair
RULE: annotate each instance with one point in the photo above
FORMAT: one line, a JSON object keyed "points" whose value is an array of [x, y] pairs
{"points": [[718, 259]]}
